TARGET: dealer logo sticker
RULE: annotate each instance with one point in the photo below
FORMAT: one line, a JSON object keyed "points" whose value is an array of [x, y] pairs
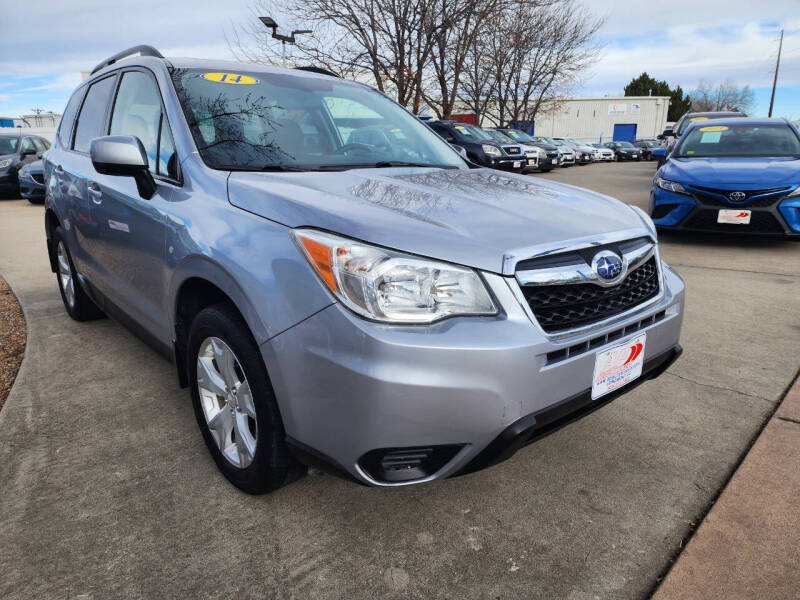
{"points": [[618, 366]]}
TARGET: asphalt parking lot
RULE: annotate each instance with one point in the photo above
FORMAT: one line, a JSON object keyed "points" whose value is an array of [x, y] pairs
{"points": [[108, 491]]}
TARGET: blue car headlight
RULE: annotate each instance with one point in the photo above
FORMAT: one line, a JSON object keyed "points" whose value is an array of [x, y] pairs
{"points": [[5, 162], [794, 194], [670, 186]]}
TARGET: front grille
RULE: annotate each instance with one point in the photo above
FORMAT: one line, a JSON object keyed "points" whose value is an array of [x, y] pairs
{"points": [[584, 347], [760, 222], [718, 197], [561, 307], [38, 177]]}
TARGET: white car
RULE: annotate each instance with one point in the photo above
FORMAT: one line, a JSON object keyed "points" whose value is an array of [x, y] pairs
{"points": [[603, 153]]}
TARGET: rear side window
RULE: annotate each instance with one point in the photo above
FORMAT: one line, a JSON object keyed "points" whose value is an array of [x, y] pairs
{"points": [[137, 112], [68, 118], [91, 121]]}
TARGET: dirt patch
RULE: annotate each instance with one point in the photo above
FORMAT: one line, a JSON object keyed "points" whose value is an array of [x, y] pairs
{"points": [[12, 339]]}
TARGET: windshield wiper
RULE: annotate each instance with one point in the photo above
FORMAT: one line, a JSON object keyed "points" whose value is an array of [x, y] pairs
{"points": [[399, 163], [286, 168]]}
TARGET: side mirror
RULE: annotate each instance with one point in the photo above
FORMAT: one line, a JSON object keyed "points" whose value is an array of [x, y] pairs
{"points": [[27, 151], [667, 133], [123, 155], [40, 155], [460, 149]]}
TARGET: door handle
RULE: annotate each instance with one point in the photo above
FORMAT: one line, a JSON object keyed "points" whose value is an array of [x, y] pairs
{"points": [[59, 170], [95, 193]]}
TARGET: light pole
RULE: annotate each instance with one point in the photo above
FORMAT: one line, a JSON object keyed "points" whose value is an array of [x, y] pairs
{"points": [[270, 23]]}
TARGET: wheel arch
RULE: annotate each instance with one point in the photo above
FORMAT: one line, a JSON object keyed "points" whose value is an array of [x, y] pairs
{"points": [[197, 284], [51, 223]]}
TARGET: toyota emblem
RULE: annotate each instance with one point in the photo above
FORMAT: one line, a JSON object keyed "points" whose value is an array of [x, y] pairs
{"points": [[737, 196]]}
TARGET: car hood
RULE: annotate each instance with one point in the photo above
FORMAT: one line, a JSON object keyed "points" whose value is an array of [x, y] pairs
{"points": [[479, 217], [755, 172]]}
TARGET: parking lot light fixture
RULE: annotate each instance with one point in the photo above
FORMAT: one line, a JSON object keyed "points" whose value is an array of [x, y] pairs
{"points": [[270, 23]]}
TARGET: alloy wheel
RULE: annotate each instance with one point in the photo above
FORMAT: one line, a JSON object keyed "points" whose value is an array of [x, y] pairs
{"points": [[227, 402], [65, 278]]}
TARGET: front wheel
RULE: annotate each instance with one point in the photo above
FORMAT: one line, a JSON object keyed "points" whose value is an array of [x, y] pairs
{"points": [[234, 403]]}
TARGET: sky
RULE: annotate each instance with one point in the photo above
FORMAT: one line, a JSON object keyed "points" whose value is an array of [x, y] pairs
{"points": [[678, 41]]}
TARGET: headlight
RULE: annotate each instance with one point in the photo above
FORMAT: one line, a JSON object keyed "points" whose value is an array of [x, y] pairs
{"points": [[5, 162], [646, 218], [795, 193], [670, 186], [390, 286], [491, 150]]}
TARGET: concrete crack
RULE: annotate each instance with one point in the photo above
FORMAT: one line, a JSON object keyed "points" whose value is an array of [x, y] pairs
{"points": [[789, 420], [672, 264], [720, 387]]}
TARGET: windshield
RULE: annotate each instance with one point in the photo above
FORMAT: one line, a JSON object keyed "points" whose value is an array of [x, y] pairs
{"points": [[471, 132], [624, 145], [739, 140], [499, 136], [8, 145], [282, 121], [684, 125], [519, 136]]}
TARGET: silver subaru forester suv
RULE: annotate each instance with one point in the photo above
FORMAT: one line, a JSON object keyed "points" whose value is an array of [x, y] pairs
{"points": [[336, 285]]}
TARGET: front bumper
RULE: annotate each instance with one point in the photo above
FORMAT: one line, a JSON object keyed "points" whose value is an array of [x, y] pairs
{"points": [[347, 387], [30, 188], [669, 210]]}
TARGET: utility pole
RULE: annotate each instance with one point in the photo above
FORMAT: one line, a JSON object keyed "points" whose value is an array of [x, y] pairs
{"points": [[775, 79]]}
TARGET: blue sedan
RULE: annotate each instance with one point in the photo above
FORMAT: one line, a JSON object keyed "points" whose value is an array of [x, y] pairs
{"points": [[738, 175]]}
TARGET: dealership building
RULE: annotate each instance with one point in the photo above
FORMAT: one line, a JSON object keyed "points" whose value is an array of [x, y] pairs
{"points": [[623, 118]]}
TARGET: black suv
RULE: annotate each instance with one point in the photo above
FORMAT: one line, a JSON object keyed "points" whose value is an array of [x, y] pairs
{"points": [[647, 147], [550, 150], [16, 151], [480, 147]]}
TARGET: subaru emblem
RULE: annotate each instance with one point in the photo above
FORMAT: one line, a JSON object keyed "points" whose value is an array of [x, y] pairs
{"points": [[608, 265], [737, 196]]}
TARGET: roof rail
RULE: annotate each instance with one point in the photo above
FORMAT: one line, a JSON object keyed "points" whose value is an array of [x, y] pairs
{"points": [[318, 70], [141, 50]]}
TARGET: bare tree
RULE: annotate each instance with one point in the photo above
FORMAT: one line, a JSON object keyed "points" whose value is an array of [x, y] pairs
{"points": [[497, 57], [538, 49], [386, 42], [462, 25], [725, 96]]}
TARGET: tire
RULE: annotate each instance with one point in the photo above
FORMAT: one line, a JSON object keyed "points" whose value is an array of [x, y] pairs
{"points": [[248, 444], [77, 302]]}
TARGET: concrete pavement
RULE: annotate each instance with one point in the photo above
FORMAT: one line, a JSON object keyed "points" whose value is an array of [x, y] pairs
{"points": [[748, 546], [107, 491]]}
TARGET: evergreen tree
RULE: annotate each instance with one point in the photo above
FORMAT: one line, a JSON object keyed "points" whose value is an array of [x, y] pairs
{"points": [[644, 85]]}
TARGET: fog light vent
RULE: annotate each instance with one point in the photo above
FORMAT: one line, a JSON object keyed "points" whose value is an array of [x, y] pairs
{"points": [[406, 464]]}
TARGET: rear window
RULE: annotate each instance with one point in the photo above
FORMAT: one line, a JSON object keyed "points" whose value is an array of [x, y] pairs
{"points": [[740, 140]]}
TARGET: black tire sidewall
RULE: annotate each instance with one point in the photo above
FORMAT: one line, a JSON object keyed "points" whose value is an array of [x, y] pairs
{"points": [[84, 308], [271, 463]]}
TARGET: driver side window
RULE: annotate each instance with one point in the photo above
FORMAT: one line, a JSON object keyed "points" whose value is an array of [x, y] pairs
{"points": [[137, 112], [27, 145]]}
